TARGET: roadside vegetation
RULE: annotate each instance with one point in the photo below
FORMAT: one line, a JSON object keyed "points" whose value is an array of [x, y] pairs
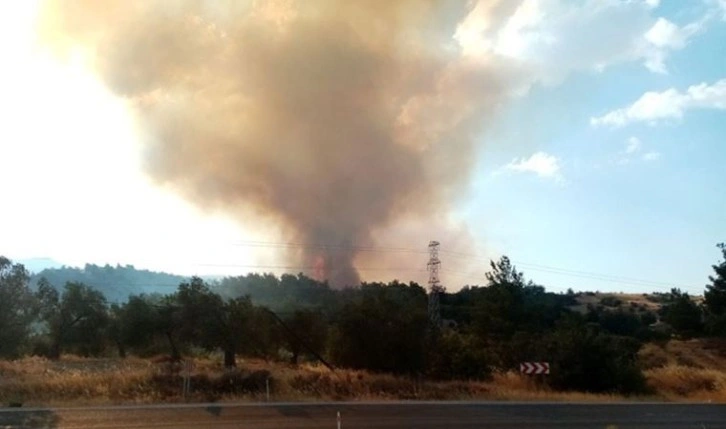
{"points": [[73, 380], [67, 344]]}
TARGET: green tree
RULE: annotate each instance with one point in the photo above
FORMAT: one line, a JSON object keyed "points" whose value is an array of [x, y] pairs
{"points": [[264, 336], [77, 317], [137, 325], [648, 318], [198, 312], [168, 321], [241, 327], [504, 273], [282, 295], [682, 313], [510, 307], [382, 328], [584, 358], [17, 308], [115, 328], [458, 356], [499, 309], [140, 321], [617, 322], [309, 331], [715, 296], [235, 325]]}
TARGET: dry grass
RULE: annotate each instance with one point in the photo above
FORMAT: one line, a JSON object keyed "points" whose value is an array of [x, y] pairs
{"points": [[680, 370], [76, 381], [628, 300], [687, 370], [687, 383], [40, 381], [698, 354], [638, 301]]}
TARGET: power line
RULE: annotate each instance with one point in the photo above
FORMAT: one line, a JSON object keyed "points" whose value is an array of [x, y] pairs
{"points": [[583, 274], [472, 276], [533, 267], [452, 253]]}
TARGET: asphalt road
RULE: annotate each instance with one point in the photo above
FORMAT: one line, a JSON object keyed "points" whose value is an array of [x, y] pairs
{"points": [[418, 415]]}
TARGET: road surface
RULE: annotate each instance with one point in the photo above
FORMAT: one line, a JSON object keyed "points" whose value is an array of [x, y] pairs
{"points": [[417, 415]]}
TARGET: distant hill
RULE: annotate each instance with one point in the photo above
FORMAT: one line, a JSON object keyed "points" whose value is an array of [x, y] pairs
{"points": [[35, 265], [638, 302], [116, 283]]}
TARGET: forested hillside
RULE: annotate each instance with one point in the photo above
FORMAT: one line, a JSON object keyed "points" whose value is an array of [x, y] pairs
{"points": [[116, 283], [375, 326]]}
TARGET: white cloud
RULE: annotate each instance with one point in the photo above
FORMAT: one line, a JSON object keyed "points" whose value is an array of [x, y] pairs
{"points": [[669, 104], [651, 156], [633, 145], [540, 163], [665, 36], [552, 38], [632, 152], [721, 4]]}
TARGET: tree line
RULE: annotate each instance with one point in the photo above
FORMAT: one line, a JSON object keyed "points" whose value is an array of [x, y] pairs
{"points": [[376, 326]]}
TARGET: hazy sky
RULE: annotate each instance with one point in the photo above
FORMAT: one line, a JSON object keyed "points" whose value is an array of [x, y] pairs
{"points": [[605, 164]]}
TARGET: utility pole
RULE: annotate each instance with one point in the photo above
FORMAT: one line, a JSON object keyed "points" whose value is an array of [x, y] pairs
{"points": [[435, 288]]}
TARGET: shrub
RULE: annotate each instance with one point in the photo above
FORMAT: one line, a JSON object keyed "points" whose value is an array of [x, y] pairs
{"points": [[648, 318], [458, 356], [620, 322], [585, 359], [239, 381], [649, 335], [684, 315], [611, 301]]}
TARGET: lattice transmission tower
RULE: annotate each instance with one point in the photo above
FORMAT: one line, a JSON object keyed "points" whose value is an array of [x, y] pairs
{"points": [[435, 288]]}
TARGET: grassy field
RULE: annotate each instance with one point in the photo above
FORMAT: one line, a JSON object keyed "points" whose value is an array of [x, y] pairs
{"points": [[679, 370], [687, 370], [75, 381], [639, 302]]}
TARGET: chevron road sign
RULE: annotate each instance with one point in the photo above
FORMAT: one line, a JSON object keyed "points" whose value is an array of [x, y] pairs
{"points": [[534, 367]]}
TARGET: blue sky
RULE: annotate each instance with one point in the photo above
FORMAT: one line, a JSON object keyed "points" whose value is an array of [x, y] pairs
{"points": [[644, 200], [603, 167]]}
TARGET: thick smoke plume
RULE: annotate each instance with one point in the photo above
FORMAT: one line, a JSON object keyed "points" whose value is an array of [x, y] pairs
{"points": [[331, 119]]}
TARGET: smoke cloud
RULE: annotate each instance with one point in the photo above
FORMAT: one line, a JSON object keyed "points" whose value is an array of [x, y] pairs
{"points": [[330, 119]]}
